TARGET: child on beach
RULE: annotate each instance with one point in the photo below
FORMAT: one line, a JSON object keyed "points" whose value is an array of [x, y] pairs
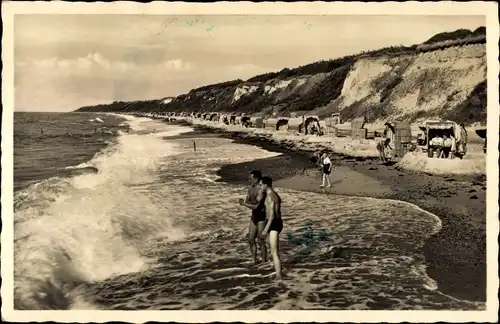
{"points": [[326, 166], [384, 149]]}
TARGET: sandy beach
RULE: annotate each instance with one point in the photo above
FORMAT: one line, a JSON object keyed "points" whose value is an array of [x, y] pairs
{"points": [[455, 256]]}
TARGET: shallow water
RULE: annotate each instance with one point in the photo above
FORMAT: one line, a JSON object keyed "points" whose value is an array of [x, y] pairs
{"points": [[154, 230]]}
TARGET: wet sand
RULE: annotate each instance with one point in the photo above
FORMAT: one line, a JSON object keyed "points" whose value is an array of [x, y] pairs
{"points": [[455, 257]]}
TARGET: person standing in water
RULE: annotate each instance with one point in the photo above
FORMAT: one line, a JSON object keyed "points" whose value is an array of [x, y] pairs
{"points": [[255, 201], [326, 166], [274, 224]]}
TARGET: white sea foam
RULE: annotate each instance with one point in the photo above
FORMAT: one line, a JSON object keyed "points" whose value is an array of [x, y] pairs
{"points": [[90, 227]]}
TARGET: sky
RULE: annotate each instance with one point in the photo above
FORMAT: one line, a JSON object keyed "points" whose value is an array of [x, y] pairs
{"points": [[63, 62]]}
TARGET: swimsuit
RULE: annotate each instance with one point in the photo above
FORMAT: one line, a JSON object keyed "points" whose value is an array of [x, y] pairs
{"points": [[258, 215], [326, 166], [276, 225]]}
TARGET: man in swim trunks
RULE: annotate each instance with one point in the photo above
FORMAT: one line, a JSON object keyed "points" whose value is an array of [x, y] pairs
{"points": [[255, 201], [274, 224]]}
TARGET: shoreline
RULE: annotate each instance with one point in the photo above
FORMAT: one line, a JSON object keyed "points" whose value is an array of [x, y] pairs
{"points": [[455, 256]]}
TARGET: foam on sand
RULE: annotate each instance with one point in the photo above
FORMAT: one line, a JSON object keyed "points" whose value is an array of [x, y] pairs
{"points": [[417, 161]]}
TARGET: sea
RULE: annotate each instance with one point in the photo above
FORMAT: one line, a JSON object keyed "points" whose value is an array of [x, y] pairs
{"points": [[122, 213]]}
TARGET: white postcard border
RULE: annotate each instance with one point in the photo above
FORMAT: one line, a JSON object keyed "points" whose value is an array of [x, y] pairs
{"points": [[488, 9]]}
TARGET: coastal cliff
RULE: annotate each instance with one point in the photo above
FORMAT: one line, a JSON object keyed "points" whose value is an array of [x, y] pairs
{"points": [[444, 76]]}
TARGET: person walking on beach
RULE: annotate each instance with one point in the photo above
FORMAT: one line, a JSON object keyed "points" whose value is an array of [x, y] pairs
{"points": [[194, 145], [384, 148], [326, 166], [255, 201], [274, 224]]}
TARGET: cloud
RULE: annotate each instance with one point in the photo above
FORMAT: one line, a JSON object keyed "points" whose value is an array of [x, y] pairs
{"points": [[95, 62], [177, 64]]}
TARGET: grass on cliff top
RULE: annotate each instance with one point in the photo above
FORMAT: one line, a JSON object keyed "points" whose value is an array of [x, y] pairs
{"points": [[437, 42]]}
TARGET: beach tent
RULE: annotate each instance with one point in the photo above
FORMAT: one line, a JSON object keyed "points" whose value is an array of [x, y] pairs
{"points": [[214, 117], [402, 138], [245, 121], [482, 133], [358, 123], [330, 124], [432, 128], [295, 124], [336, 118], [257, 122], [237, 120], [271, 124], [309, 122], [358, 132], [224, 119], [232, 119], [322, 126], [282, 124]]}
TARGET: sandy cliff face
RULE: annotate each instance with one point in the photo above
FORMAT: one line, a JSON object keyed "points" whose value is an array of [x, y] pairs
{"points": [[411, 85]]}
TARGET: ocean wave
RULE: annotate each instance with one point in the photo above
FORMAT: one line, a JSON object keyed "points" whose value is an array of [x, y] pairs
{"points": [[73, 231], [88, 135]]}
